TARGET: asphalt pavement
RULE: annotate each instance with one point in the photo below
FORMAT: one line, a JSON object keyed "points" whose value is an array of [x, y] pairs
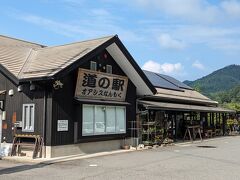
{"points": [[217, 159]]}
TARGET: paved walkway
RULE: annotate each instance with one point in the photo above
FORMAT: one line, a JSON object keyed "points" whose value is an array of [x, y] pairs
{"points": [[217, 159]]}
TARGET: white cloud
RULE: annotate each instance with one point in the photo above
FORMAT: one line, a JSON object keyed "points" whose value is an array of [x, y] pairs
{"points": [[100, 12], [58, 27], [198, 65], [166, 41], [197, 11], [231, 7], [216, 38], [193, 10], [102, 24], [165, 68]]}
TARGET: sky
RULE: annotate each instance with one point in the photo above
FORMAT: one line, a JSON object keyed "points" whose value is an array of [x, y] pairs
{"points": [[186, 39]]}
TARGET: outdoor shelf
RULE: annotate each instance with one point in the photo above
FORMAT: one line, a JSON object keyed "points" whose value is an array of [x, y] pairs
{"points": [[149, 124]]}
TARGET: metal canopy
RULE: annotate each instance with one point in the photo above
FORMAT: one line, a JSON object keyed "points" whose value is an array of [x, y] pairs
{"points": [[182, 107], [82, 100]]}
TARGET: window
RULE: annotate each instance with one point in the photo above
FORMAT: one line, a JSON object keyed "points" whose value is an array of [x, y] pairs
{"points": [[120, 114], [28, 117], [88, 116], [110, 120], [1, 105], [99, 119], [109, 69], [93, 65]]}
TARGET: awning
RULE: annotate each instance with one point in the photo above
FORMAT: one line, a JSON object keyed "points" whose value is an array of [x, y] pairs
{"points": [[183, 107], [102, 101]]}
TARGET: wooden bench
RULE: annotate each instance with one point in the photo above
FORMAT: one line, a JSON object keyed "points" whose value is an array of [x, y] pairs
{"points": [[19, 142], [218, 132], [209, 133], [196, 129]]}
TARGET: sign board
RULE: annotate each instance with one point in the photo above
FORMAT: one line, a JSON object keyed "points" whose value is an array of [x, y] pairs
{"points": [[62, 125], [99, 85], [18, 124]]}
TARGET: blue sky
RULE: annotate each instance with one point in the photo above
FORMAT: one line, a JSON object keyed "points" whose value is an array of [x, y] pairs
{"points": [[186, 39]]}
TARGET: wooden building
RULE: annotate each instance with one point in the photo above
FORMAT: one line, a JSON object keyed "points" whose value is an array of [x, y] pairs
{"points": [[79, 97], [178, 110], [86, 97]]}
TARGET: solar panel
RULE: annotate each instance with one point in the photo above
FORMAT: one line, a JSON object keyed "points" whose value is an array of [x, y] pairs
{"points": [[175, 81], [159, 81]]}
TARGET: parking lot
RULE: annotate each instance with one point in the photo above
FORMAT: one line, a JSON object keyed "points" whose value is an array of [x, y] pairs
{"points": [[215, 159]]}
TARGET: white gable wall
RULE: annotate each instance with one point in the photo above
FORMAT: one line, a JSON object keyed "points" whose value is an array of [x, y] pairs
{"points": [[126, 66]]}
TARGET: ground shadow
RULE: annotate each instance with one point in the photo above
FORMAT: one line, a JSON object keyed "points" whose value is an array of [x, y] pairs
{"points": [[21, 168]]}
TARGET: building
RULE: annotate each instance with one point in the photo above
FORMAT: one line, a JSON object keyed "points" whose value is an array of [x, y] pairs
{"points": [[79, 97], [84, 97], [180, 108]]}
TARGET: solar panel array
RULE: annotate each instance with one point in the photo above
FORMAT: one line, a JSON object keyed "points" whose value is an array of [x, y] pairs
{"points": [[164, 81], [175, 81], [158, 81]]}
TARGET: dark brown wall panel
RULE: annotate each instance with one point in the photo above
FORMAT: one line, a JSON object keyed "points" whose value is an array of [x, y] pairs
{"points": [[13, 106], [65, 107]]}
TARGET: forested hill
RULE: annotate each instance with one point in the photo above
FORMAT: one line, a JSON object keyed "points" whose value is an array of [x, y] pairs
{"points": [[222, 85], [219, 81]]}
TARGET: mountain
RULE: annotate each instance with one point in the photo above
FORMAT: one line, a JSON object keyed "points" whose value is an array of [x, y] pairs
{"points": [[221, 80]]}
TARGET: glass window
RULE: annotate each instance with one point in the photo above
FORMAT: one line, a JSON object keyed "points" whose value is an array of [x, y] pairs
{"points": [[110, 120], [93, 65], [98, 119], [109, 69], [120, 115], [88, 116], [28, 117]]}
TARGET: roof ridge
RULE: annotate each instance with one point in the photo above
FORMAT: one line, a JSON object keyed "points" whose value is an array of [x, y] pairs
{"points": [[110, 36], [22, 40], [26, 62]]}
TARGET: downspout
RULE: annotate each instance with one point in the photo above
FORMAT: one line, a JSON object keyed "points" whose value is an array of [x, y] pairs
{"points": [[44, 121]]}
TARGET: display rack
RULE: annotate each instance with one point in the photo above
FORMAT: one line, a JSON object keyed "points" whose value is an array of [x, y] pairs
{"points": [[152, 131]]}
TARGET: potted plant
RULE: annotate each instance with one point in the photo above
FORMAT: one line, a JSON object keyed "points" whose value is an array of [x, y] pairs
{"points": [[125, 144]]}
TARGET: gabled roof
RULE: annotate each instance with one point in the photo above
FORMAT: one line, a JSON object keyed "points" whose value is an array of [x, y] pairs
{"points": [[14, 53], [185, 95], [27, 60], [24, 61], [48, 61], [13, 42]]}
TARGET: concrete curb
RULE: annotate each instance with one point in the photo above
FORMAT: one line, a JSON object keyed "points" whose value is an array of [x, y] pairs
{"points": [[204, 140], [64, 158]]}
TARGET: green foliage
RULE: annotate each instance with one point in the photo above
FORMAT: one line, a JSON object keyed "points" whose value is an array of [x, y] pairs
{"points": [[222, 85], [230, 96], [218, 81], [233, 106], [197, 87], [229, 99]]}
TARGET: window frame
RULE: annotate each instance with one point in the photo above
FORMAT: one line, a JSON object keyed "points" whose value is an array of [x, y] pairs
{"points": [[93, 64], [26, 127], [109, 67], [94, 133]]}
